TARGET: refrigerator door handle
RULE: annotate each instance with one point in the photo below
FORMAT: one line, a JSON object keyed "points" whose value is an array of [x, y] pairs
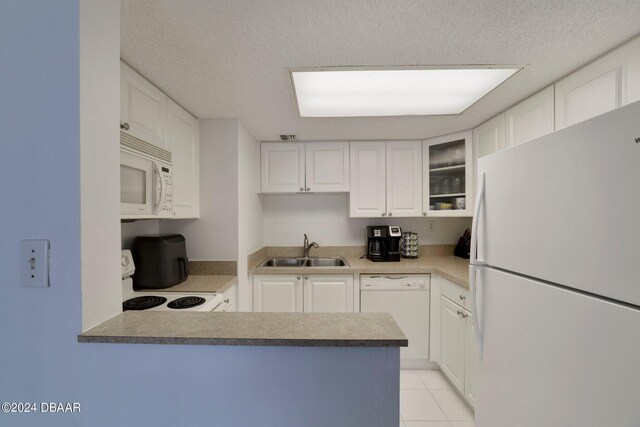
{"points": [[473, 286], [474, 225]]}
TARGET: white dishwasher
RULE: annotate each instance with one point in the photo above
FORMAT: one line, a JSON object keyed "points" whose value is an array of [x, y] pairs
{"points": [[406, 297]]}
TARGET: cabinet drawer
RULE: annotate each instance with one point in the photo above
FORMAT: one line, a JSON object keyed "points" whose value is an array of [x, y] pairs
{"points": [[456, 293]]}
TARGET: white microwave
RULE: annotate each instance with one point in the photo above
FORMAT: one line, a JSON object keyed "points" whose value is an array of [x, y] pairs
{"points": [[146, 180]]}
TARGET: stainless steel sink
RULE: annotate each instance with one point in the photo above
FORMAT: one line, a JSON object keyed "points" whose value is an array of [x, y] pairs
{"points": [[284, 262], [305, 262], [327, 262]]}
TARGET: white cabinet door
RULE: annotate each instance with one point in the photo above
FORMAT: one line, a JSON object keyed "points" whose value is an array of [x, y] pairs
{"points": [[143, 108], [327, 167], [328, 294], [531, 118], [448, 175], [282, 167], [275, 293], [489, 137], [183, 141], [404, 178], [368, 187], [231, 297], [471, 361], [589, 92], [603, 85], [452, 340]]}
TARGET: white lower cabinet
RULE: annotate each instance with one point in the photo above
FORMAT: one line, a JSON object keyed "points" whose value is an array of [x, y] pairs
{"points": [[317, 293], [231, 297], [452, 340], [459, 359], [328, 294], [471, 363], [280, 293]]}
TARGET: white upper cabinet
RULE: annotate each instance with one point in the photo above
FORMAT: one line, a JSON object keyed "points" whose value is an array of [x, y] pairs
{"points": [[489, 137], [448, 175], [183, 142], [143, 108], [385, 179], [368, 186], [404, 178], [327, 166], [282, 167], [603, 85], [530, 119], [310, 167]]}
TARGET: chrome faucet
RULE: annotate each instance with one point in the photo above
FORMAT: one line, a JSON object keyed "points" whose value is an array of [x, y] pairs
{"points": [[306, 246]]}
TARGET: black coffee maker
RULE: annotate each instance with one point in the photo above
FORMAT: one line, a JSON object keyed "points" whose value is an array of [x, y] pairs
{"points": [[383, 242]]}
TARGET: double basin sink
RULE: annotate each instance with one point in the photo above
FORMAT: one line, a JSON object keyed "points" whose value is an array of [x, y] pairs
{"points": [[306, 262]]}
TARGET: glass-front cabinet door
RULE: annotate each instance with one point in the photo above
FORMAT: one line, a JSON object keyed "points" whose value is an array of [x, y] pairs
{"points": [[448, 175]]}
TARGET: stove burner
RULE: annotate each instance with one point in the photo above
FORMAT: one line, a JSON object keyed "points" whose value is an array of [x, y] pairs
{"points": [[186, 302], [143, 303]]}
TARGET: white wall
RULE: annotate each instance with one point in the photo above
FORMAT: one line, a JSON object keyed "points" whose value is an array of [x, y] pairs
{"points": [[100, 159], [129, 230], [250, 213], [214, 236], [324, 218]]}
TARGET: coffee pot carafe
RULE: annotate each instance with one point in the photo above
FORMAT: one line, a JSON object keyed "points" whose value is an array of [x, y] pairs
{"points": [[383, 242]]}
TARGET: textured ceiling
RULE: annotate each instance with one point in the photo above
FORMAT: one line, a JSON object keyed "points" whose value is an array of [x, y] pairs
{"points": [[230, 58]]}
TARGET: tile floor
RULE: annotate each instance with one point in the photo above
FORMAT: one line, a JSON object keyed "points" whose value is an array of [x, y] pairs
{"points": [[428, 400]]}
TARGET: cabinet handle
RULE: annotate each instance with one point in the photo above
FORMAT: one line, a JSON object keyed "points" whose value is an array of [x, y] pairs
{"points": [[226, 300], [424, 214], [306, 277], [384, 214], [299, 277], [124, 126], [390, 213], [301, 188], [462, 298], [308, 188], [459, 312]]}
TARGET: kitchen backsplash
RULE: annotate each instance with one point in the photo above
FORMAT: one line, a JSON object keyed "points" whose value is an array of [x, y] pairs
{"points": [[324, 218], [213, 268]]}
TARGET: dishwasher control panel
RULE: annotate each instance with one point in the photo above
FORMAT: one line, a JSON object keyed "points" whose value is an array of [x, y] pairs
{"points": [[409, 282]]}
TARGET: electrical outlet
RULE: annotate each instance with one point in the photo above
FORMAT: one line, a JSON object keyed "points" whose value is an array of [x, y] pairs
{"points": [[34, 263], [431, 226]]}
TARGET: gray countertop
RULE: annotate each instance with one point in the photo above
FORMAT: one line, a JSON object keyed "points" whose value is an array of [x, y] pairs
{"points": [[250, 329], [450, 267]]}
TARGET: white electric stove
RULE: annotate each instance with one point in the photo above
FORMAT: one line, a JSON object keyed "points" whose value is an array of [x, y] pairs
{"points": [[162, 300]]}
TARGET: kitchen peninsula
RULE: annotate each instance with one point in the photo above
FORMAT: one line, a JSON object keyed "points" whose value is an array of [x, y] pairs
{"points": [[335, 369]]}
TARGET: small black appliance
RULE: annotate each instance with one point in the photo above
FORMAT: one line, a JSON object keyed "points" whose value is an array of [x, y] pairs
{"points": [[161, 261], [383, 243]]}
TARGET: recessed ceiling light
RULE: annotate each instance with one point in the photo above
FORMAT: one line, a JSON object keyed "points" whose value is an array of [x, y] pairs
{"points": [[357, 92]]}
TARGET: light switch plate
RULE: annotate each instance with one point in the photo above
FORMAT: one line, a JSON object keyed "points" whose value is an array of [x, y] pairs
{"points": [[34, 263]]}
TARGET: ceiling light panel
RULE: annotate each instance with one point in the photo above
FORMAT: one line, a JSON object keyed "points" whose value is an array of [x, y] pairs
{"points": [[397, 92]]}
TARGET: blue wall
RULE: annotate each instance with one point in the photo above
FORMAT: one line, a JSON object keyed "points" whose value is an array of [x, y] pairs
{"points": [[40, 360]]}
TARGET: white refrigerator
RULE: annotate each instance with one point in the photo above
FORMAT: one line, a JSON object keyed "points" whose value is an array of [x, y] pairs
{"points": [[555, 278]]}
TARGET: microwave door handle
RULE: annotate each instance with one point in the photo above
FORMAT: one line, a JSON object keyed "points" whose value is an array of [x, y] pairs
{"points": [[157, 196]]}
